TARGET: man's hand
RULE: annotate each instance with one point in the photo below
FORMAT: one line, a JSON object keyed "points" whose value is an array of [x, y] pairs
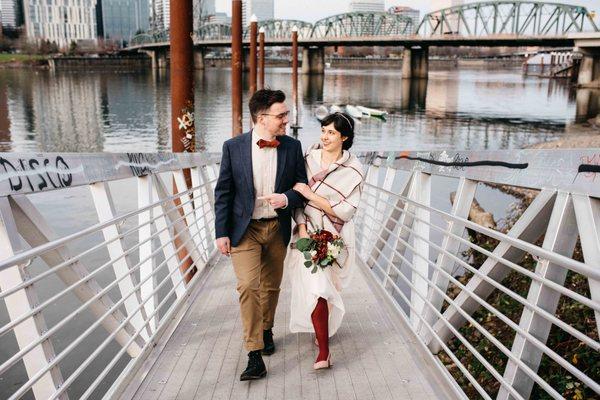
{"points": [[224, 246], [276, 200]]}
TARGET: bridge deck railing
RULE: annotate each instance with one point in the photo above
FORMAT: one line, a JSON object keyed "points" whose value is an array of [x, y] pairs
{"points": [[509, 313], [93, 248], [93, 264]]}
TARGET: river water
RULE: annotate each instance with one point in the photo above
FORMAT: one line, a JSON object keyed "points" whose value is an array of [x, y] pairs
{"points": [[462, 108], [75, 111]]}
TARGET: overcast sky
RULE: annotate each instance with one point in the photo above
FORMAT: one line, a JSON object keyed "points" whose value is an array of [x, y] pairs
{"points": [[312, 10]]}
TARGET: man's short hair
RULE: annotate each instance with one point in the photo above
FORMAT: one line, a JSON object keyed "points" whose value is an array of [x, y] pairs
{"points": [[262, 99]]}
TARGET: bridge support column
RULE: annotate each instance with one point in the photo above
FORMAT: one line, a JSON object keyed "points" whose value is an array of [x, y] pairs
{"points": [[589, 71], [158, 57], [415, 63], [407, 63], [313, 60], [587, 103], [199, 58], [420, 63], [246, 59]]}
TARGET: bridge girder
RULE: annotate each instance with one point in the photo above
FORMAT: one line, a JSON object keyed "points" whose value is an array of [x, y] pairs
{"points": [[507, 17], [282, 28], [363, 24], [150, 38], [213, 31], [500, 18]]}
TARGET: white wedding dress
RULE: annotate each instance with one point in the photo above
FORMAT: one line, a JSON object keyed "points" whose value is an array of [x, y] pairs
{"points": [[308, 287], [330, 281]]}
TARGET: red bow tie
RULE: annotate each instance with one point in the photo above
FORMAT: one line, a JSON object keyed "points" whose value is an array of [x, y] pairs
{"points": [[267, 143]]}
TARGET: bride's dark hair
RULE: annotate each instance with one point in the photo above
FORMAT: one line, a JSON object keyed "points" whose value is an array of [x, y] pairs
{"points": [[344, 124]]}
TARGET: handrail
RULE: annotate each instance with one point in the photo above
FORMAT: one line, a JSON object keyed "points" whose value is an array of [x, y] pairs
{"points": [[163, 232], [412, 246]]}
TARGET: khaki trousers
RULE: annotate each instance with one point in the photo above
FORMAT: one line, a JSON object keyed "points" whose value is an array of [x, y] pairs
{"points": [[258, 264]]}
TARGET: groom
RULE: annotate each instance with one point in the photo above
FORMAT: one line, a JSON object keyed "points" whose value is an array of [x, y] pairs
{"points": [[253, 204]]}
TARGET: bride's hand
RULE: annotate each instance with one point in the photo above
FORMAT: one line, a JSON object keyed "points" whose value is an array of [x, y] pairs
{"points": [[302, 233], [303, 189]]}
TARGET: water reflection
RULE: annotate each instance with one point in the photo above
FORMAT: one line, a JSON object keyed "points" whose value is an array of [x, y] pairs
{"points": [[5, 140], [588, 104], [465, 108], [414, 94], [312, 88]]}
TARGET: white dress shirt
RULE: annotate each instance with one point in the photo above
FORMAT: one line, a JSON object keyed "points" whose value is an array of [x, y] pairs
{"points": [[264, 170]]}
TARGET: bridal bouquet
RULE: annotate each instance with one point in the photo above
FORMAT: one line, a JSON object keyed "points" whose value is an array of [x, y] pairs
{"points": [[320, 249]]}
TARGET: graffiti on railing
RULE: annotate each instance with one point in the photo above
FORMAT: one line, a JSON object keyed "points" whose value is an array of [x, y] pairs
{"points": [[590, 166], [140, 163], [36, 173], [457, 162], [23, 173]]}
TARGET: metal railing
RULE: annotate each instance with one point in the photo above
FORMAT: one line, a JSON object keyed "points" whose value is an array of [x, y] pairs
{"points": [[509, 313], [89, 281], [85, 308]]}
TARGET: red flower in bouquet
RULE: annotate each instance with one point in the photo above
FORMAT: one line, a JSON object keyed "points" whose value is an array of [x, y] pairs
{"points": [[320, 249]]}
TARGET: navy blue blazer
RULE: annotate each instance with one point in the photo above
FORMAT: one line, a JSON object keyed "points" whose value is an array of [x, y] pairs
{"points": [[235, 195]]}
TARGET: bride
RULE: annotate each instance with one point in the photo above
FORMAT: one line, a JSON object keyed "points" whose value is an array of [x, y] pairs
{"points": [[333, 193]]}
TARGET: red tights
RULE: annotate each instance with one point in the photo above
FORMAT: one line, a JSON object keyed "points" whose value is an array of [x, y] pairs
{"points": [[320, 320]]}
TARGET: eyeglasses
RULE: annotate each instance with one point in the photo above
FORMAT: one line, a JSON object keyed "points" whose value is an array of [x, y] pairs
{"points": [[279, 116]]}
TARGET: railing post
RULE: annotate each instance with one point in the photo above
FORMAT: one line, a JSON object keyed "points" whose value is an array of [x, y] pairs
{"points": [[367, 235], [35, 231], [529, 227], [144, 196], [561, 236], [105, 210], [395, 218], [421, 245], [173, 215], [587, 211], [166, 240], [404, 222], [22, 302], [188, 211], [461, 207], [204, 206]]}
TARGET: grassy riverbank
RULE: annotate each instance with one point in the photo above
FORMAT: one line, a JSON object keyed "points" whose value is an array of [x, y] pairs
{"points": [[7, 59]]}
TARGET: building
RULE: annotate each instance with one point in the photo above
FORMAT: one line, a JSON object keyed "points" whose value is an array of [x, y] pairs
{"points": [[367, 6], [263, 9], [159, 15], [244, 11], [218, 18], [61, 21], [120, 20], [203, 10], [414, 15], [11, 14]]}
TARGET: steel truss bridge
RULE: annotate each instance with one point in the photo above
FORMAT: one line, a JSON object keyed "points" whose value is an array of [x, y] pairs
{"points": [[488, 22]]}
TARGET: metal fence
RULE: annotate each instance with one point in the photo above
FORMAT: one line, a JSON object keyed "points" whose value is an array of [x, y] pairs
{"points": [[89, 281], [512, 313]]}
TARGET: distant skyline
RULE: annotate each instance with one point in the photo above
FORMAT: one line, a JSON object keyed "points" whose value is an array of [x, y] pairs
{"points": [[313, 10]]}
